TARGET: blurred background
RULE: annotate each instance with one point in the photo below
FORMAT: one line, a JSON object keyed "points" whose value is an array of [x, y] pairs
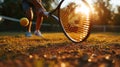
{"points": [[106, 15]]}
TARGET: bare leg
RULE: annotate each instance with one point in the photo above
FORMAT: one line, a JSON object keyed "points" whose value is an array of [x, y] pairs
{"points": [[39, 21], [29, 15]]}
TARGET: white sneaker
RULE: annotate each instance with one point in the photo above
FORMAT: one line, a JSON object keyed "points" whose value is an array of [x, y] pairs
{"points": [[28, 34], [37, 33]]}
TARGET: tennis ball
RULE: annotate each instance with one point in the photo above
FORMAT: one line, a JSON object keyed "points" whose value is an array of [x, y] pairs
{"points": [[24, 21]]}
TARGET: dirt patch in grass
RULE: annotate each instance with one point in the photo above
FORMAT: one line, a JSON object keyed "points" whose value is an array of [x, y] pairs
{"points": [[55, 50]]}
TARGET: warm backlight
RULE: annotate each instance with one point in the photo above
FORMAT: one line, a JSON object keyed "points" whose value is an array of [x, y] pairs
{"points": [[82, 9]]}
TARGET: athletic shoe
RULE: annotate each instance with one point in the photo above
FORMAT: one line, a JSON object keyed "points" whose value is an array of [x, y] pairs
{"points": [[28, 34], [37, 33]]}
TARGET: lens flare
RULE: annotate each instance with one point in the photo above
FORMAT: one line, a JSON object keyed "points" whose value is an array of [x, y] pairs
{"points": [[82, 9]]}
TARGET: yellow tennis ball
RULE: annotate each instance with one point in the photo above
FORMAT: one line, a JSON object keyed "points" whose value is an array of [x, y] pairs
{"points": [[24, 21]]}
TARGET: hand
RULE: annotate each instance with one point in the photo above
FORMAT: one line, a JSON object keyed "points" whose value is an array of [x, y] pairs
{"points": [[45, 14]]}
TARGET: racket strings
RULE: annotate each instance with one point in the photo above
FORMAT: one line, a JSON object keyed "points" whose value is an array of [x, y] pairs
{"points": [[76, 26], [85, 27], [66, 16]]}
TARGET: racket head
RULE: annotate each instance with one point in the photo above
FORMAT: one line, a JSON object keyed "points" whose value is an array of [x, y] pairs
{"points": [[75, 22]]}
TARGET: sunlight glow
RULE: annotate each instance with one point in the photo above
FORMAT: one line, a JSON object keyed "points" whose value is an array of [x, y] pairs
{"points": [[81, 6], [84, 9]]}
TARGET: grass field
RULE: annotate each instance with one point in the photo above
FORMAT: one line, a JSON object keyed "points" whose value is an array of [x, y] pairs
{"points": [[14, 46]]}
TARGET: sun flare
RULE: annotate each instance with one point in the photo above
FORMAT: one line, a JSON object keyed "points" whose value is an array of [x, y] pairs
{"points": [[85, 8], [82, 9]]}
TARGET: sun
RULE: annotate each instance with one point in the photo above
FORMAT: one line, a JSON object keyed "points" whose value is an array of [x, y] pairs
{"points": [[82, 9], [80, 6], [85, 9]]}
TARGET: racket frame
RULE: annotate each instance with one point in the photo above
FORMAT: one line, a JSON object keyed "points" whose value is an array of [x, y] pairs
{"points": [[60, 22]]}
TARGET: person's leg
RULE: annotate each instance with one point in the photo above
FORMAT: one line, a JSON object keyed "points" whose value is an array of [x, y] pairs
{"points": [[39, 21], [29, 14]]}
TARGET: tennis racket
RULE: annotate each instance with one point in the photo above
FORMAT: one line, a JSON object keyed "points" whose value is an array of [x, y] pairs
{"points": [[75, 23]]}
